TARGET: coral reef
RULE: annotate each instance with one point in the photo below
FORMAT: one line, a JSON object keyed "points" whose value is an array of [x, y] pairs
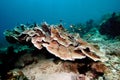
{"points": [[9, 58], [14, 33], [111, 25], [112, 51], [111, 47], [37, 66], [59, 42], [50, 52], [47, 69]]}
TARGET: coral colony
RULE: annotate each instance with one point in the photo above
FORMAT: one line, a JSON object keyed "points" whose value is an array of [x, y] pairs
{"points": [[51, 52], [58, 42]]}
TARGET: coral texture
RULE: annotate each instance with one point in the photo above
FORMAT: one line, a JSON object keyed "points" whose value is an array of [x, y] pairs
{"points": [[59, 42]]}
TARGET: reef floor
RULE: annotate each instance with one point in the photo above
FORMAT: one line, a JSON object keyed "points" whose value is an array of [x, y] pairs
{"points": [[39, 67]]}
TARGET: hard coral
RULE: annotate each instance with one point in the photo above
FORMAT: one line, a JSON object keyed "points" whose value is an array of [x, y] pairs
{"points": [[111, 26], [60, 43], [11, 35]]}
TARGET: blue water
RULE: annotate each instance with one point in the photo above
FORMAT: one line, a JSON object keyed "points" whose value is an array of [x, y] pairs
{"points": [[13, 12]]}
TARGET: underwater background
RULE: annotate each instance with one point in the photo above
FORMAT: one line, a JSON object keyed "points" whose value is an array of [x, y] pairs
{"points": [[15, 12], [59, 39]]}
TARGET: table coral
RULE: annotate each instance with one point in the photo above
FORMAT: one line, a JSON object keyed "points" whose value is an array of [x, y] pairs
{"points": [[59, 42]]}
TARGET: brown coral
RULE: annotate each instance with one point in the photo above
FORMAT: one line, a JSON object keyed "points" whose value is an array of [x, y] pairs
{"points": [[60, 43], [99, 67]]}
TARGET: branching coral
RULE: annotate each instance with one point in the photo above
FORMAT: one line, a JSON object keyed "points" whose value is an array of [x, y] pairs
{"points": [[59, 42]]}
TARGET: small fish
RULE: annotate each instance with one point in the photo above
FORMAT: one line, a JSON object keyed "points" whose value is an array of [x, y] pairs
{"points": [[61, 20], [71, 26], [79, 29]]}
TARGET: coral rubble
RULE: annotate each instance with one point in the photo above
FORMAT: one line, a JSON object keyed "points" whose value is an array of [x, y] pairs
{"points": [[15, 75]]}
